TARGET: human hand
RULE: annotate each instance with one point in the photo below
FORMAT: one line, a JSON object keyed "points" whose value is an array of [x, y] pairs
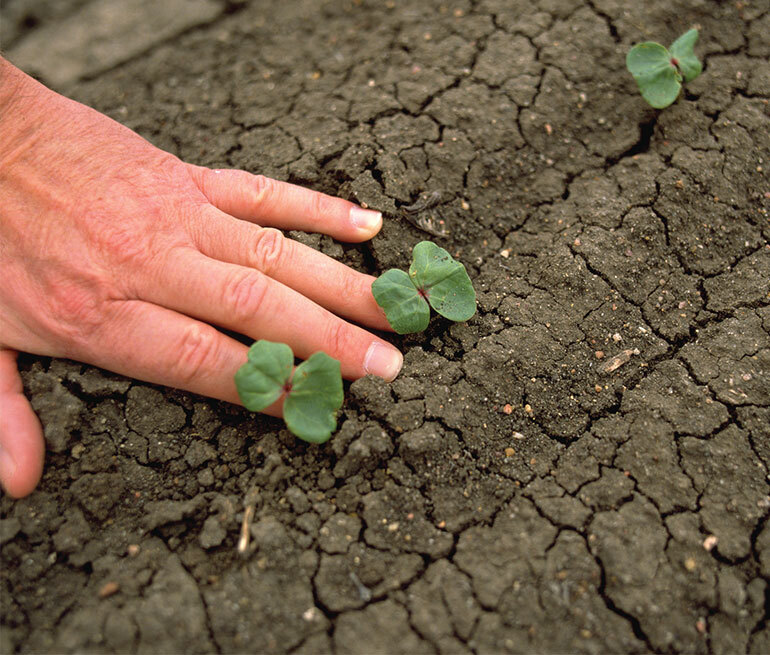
{"points": [[120, 255]]}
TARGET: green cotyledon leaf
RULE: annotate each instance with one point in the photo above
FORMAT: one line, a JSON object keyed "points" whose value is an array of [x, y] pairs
{"points": [[261, 380], [658, 79], [406, 310], [310, 408], [443, 280], [684, 58]]}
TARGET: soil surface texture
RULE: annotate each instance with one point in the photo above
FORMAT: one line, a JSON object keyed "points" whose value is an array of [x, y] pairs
{"points": [[582, 467]]}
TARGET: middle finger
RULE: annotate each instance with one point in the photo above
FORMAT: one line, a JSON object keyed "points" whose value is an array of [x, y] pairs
{"points": [[324, 280]]}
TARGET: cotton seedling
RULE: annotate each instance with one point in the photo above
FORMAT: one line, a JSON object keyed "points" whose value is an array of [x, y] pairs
{"points": [[435, 280], [313, 393], [659, 72]]}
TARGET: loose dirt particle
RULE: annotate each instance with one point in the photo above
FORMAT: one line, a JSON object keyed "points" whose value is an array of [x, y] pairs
{"points": [[507, 409], [690, 564], [709, 542], [598, 388], [517, 435], [700, 626], [599, 354], [109, 589], [133, 550], [510, 452], [528, 408]]}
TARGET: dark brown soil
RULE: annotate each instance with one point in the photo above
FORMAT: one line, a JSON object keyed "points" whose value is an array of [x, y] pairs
{"points": [[582, 467]]}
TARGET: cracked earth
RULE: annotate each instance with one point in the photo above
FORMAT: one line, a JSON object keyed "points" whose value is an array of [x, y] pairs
{"points": [[582, 467]]}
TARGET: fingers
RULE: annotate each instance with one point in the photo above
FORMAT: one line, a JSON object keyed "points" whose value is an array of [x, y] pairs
{"points": [[22, 447], [251, 303], [286, 206], [154, 344], [324, 280]]}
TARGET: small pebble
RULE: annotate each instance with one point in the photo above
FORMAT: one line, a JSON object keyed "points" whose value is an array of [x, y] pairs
{"points": [[709, 542], [507, 409], [510, 452], [109, 589]]}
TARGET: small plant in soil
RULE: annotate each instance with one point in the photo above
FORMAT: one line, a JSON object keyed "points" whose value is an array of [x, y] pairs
{"points": [[313, 394], [435, 280], [659, 72]]}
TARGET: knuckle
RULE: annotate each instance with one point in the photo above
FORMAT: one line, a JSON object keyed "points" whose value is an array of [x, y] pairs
{"points": [[244, 295], [198, 353], [339, 339], [354, 287], [321, 206], [270, 249], [76, 314], [121, 244], [264, 189]]}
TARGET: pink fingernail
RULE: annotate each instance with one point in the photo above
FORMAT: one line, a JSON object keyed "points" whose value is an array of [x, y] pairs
{"points": [[384, 361], [365, 220]]}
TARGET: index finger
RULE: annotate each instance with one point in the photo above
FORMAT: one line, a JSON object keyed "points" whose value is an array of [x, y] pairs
{"points": [[268, 202]]}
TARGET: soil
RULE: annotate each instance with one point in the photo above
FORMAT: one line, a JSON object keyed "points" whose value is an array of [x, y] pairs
{"points": [[582, 467]]}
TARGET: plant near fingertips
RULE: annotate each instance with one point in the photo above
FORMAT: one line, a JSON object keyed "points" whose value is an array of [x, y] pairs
{"points": [[659, 71], [313, 392], [434, 280]]}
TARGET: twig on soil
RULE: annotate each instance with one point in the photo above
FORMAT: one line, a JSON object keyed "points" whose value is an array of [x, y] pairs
{"points": [[249, 504], [618, 360]]}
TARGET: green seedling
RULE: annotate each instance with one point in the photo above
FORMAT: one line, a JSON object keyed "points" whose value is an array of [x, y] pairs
{"points": [[658, 72], [312, 395], [434, 280]]}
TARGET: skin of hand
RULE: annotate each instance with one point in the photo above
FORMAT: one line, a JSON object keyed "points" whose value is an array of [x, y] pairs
{"points": [[118, 254]]}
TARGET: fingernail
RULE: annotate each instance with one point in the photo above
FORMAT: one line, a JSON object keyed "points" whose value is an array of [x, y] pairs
{"points": [[365, 220], [7, 466], [383, 360]]}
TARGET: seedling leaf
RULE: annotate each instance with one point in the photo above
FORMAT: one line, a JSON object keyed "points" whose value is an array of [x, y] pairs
{"points": [[658, 72], [658, 80], [434, 280], [261, 380], [406, 310], [316, 394], [444, 281], [313, 394], [682, 52]]}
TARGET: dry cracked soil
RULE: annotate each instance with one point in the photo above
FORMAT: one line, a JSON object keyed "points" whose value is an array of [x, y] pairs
{"points": [[582, 467]]}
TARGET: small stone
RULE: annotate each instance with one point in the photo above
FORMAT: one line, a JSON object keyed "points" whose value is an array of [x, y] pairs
{"points": [[528, 408], [133, 550], [598, 388], [690, 564], [510, 452], [517, 435], [599, 354], [507, 409], [709, 542], [109, 589]]}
